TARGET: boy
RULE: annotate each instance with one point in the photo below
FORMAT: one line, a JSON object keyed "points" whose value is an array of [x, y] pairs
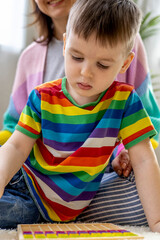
{"points": [[70, 126]]}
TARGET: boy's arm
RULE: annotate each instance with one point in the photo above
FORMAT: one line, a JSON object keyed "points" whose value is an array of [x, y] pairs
{"points": [[12, 156], [147, 175]]}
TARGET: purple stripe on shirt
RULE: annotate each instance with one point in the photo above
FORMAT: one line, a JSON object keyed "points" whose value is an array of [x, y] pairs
{"points": [[104, 132], [60, 146]]}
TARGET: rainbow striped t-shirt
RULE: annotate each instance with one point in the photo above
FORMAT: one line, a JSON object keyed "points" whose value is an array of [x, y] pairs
{"points": [[74, 143]]}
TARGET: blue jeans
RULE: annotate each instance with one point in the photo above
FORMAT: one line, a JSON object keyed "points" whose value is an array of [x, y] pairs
{"points": [[17, 205], [116, 201]]}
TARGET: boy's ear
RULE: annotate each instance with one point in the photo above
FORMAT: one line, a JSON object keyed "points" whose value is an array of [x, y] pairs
{"points": [[127, 62], [64, 43]]}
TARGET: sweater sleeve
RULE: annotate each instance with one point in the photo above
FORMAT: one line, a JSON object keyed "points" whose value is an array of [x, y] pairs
{"points": [[29, 73], [12, 114]]}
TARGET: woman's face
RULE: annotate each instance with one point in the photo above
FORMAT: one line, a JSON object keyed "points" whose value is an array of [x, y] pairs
{"points": [[56, 9]]}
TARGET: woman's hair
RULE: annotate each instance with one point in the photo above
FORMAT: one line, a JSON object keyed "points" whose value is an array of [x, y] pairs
{"points": [[45, 25], [112, 21]]}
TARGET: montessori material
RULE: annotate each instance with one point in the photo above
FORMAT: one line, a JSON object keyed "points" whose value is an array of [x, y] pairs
{"points": [[89, 231]]}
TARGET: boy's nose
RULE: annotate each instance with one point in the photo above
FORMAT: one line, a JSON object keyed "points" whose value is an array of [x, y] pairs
{"points": [[86, 71]]}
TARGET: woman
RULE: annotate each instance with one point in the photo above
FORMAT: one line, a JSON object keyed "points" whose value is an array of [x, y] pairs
{"points": [[40, 62]]}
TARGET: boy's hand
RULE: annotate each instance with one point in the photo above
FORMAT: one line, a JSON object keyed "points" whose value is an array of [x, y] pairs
{"points": [[122, 164]]}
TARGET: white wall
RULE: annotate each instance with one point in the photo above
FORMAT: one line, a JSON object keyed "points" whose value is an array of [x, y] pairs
{"points": [[9, 58]]}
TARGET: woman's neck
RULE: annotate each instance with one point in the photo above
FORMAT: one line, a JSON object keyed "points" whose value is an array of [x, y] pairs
{"points": [[59, 28]]}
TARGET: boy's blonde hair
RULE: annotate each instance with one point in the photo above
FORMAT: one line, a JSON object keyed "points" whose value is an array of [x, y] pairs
{"points": [[112, 21]]}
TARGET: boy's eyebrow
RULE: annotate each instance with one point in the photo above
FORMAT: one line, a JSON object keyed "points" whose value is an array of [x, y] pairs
{"points": [[102, 59], [108, 59], [74, 50]]}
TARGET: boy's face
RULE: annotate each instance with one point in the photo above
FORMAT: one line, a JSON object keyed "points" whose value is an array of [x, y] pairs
{"points": [[90, 67]]}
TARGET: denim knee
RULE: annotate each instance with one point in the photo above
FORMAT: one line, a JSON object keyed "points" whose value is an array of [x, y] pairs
{"points": [[17, 205]]}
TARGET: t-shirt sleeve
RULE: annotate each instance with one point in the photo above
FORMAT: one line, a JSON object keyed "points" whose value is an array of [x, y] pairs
{"points": [[30, 118], [136, 124]]}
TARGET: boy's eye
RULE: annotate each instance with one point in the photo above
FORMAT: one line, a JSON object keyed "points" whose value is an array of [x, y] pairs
{"points": [[77, 58], [102, 66]]}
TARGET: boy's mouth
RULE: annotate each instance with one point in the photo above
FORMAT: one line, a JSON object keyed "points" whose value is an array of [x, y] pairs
{"points": [[84, 86]]}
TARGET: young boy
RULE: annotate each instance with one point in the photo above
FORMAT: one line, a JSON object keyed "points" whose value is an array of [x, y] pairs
{"points": [[70, 127]]}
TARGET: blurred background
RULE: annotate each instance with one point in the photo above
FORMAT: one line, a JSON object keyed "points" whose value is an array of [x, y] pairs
{"points": [[15, 36]]}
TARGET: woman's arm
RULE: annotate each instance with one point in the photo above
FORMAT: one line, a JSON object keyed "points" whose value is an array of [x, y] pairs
{"points": [[26, 79], [147, 175], [12, 156]]}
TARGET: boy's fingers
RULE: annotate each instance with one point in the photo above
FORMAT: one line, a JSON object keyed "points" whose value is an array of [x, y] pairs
{"points": [[117, 168], [127, 171], [125, 161], [124, 165], [121, 164], [119, 172]]}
